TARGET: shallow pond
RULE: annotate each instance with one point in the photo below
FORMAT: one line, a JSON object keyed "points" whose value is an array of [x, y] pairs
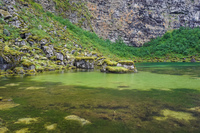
{"points": [[161, 97]]}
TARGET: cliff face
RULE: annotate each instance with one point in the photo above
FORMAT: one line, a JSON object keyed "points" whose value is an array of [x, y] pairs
{"points": [[134, 21]]}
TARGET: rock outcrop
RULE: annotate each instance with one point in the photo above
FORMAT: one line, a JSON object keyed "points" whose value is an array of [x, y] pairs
{"points": [[134, 21]]}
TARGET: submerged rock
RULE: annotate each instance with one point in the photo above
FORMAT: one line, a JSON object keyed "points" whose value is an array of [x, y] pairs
{"points": [[24, 130], [7, 104], [4, 106], [79, 119], [12, 84], [34, 88], [51, 127], [175, 114], [26, 120], [3, 129]]}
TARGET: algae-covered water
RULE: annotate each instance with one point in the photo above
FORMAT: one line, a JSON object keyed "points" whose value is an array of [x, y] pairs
{"points": [[161, 97]]}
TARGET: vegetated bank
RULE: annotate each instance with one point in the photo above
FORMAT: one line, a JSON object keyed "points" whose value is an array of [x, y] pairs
{"points": [[33, 40]]}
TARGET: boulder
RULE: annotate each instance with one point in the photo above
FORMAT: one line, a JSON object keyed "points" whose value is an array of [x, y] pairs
{"points": [[84, 62], [59, 56], [126, 64], [48, 51], [5, 14]]}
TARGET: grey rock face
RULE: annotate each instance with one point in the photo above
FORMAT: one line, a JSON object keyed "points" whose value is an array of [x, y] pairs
{"points": [[136, 21]]}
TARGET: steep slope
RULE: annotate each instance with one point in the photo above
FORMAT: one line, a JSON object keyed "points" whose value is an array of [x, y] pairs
{"points": [[32, 40]]}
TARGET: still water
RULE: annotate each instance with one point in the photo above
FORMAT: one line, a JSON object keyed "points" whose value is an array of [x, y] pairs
{"points": [[161, 97]]}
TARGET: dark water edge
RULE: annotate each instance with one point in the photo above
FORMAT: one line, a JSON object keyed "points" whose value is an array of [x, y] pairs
{"points": [[109, 110]]}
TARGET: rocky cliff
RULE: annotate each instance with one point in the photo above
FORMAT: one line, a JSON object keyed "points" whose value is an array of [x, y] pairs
{"points": [[134, 21]]}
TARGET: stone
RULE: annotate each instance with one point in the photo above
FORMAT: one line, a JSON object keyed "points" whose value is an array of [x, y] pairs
{"points": [[59, 56], [73, 51], [48, 51], [79, 119], [84, 62], [6, 104], [19, 70], [43, 42]]}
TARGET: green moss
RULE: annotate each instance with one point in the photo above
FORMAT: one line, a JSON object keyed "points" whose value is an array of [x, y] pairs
{"points": [[18, 70], [112, 69], [27, 63], [126, 62], [110, 63], [84, 58]]}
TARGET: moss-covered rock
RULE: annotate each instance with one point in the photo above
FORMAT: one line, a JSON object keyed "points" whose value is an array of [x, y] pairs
{"points": [[126, 62], [84, 62], [5, 14], [27, 63], [18, 70], [115, 69], [110, 63]]}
